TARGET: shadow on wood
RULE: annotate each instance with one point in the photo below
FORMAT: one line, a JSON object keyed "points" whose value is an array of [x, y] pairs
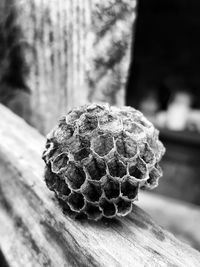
{"points": [[34, 231], [180, 218]]}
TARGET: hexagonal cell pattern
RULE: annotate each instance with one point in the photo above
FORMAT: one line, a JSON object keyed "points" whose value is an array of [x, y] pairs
{"points": [[79, 147], [147, 154], [102, 144], [129, 189], [96, 168], [62, 190], [111, 188], [132, 127], [88, 124], [92, 191], [108, 208], [75, 176], [93, 211], [63, 132], [116, 167], [154, 176], [123, 206], [81, 154], [59, 163], [97, 158], [109, 121], [76, 201], [136, 170], [126, 146]]}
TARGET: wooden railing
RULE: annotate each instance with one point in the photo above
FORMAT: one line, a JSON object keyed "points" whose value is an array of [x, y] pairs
{"points": [[34, 231]]}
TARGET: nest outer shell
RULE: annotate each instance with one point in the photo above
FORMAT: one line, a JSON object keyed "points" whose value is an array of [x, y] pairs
{"points": [[97, 158]]}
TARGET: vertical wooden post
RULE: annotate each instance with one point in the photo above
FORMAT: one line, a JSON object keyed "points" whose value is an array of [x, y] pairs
{"points": [[112, 27], [57, 33], [76, 50]]}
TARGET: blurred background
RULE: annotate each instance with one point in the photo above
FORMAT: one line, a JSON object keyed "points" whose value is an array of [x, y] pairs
{"points": [[164, 85], [56, 55]]}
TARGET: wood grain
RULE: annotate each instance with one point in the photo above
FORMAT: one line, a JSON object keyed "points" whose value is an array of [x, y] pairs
{"points": [[179, 217], [35, 232], [74, 51]]}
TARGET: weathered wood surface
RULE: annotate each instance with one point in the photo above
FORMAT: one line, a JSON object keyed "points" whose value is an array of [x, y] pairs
{"points": [[181, 218], [34, 232]]}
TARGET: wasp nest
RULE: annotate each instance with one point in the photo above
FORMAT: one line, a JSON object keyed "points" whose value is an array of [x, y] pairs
{"points": [[99, 156]]}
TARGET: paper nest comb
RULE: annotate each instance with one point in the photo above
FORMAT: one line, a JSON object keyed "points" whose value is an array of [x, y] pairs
{"points": [[98, 157]]}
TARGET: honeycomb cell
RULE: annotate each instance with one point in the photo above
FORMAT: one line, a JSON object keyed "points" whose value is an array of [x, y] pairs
{"points": [[108, 122], [142, 166], [64, 132], [92, 192], [102, 144], [96, 168], [147, 154], [88, 124], [50, 178], [84, 141], [79, 147], [154, 176], [59, 163], [72, 145], [109, 208], [111, 188], [92, 211], [116, 168], [66, 208], [126, 147], [129, 189], [135, 171], [123, 207], [75, 176], [49, 150], [75, 144], [62, 190], [132, 127], [76, 201], [81, 154]]}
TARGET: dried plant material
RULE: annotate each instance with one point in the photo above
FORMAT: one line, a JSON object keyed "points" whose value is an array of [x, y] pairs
{"points": [[97, 158]]}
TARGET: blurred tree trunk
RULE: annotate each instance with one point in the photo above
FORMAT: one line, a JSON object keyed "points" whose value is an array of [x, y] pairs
{"points": [[112, 28], [57, 32], [74, 51]]}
